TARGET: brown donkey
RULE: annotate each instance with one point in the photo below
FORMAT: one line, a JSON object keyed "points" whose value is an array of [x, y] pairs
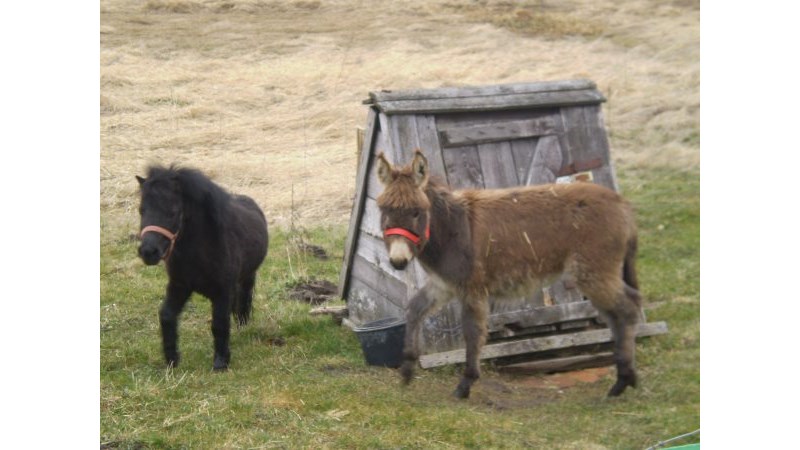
{"points": [[505, 242]]}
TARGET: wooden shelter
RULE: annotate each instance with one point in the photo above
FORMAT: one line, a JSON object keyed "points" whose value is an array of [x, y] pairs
{"points": [[479, 137]]}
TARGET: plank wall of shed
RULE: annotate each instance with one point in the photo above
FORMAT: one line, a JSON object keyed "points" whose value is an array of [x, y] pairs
{"points": [[474, 150]]}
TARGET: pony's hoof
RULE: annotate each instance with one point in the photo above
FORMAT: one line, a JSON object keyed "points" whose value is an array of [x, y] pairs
{"points": [[220, 364], [172, 361]]}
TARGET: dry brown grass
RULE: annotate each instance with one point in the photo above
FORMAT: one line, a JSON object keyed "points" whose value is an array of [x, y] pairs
{"points": [[266, 95]]}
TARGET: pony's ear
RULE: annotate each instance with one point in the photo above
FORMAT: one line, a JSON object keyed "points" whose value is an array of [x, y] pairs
{"points": [[384, 170], [140, 180], [419, 169]]}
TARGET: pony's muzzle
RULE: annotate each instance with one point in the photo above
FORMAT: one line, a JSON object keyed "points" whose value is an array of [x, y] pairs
{"points": [[149, 254], [149, 250]]}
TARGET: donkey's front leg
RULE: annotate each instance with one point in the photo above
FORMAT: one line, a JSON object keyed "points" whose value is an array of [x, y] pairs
{"points": [[473, 320], [426, 302], [173, 304], [221, 329]]}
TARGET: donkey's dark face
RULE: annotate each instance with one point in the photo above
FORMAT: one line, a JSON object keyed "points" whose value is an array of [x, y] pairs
{"points": [[405, 209], [160, 210]]}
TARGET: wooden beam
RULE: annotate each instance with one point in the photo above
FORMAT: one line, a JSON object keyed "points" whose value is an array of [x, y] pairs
{"points": [[545, 315], [499, 131], [539, 344], [481, 91], [559, 364], [491, 103], [358, 203]]}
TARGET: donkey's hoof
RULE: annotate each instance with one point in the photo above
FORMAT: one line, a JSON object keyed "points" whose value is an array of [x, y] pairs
{"points": [[463, 388], [623, 382], [220, 367], [461, 392], [407, 372]]}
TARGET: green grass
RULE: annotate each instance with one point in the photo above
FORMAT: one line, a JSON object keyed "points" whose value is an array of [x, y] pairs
{"points": [[316, 392]]}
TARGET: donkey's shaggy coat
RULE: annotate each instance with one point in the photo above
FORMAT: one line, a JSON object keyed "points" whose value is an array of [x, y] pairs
{"points": [[212, 242], [507, 242]]}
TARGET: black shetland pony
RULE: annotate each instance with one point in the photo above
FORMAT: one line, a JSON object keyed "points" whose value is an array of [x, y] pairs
{"points": [[212, 242]]}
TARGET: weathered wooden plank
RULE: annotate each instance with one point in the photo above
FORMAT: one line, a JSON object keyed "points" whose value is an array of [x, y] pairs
{"points": [[565, 291], [530, 316], [559, 364], [337, 313], [595, 132], [587, 143], [496, 131], [449, 121], [388, 142], [358, 201], [580, 166], [546, 161], [523, 151], [463, 167], [371, 220], [391, 288], [428, 142], [482, 91], [404, 133], [538, 344], [497, 165], [411, 132], [604, 175], [491, 103], [366, 304]]}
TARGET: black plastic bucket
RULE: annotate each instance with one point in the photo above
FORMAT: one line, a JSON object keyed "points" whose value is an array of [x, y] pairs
{"points": [[382, 341]]}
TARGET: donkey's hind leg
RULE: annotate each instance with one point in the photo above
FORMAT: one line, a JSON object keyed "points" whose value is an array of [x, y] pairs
{"points": [[619, 304], [622, 320], [474, 328]]}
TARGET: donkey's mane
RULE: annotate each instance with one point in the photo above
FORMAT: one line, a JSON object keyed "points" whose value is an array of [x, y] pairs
{"points": [[442, 199]]}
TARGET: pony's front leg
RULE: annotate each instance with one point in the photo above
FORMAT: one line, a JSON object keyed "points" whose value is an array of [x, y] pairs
{"points": [[427, 301], [173, 304], [473, 322], [221, 329]]}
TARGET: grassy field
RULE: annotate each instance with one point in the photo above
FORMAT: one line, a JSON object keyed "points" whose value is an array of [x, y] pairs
{"points": [[265, 97], [298, 381]]}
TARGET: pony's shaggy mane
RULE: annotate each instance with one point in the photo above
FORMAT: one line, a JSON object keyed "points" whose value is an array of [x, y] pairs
{"points": [[196, 189]]}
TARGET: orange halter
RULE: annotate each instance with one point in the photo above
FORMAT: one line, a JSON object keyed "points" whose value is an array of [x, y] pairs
{"points": [[164, 232]]}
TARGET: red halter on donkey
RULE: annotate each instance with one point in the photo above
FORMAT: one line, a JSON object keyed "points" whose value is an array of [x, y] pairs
{"points": [[503, 242]]}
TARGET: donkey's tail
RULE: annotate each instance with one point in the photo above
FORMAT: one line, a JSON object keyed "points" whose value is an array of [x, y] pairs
{"points": [[629, 266]]}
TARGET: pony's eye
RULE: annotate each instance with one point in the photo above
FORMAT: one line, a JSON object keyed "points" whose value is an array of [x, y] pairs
{"points": [[416, 214]]}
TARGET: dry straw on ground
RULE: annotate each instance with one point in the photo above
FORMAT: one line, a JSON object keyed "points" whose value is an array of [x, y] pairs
{"points": [[265, 96]]}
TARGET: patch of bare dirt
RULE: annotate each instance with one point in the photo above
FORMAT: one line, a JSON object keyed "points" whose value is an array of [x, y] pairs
{"points": [[518, 392], [314, 292]]}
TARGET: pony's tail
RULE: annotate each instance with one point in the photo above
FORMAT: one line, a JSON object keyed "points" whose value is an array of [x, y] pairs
{"points": [[243, 304]]}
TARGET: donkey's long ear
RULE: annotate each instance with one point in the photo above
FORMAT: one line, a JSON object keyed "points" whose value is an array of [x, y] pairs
{"points": [[419, 168], [140, 180], [384, 170]]}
